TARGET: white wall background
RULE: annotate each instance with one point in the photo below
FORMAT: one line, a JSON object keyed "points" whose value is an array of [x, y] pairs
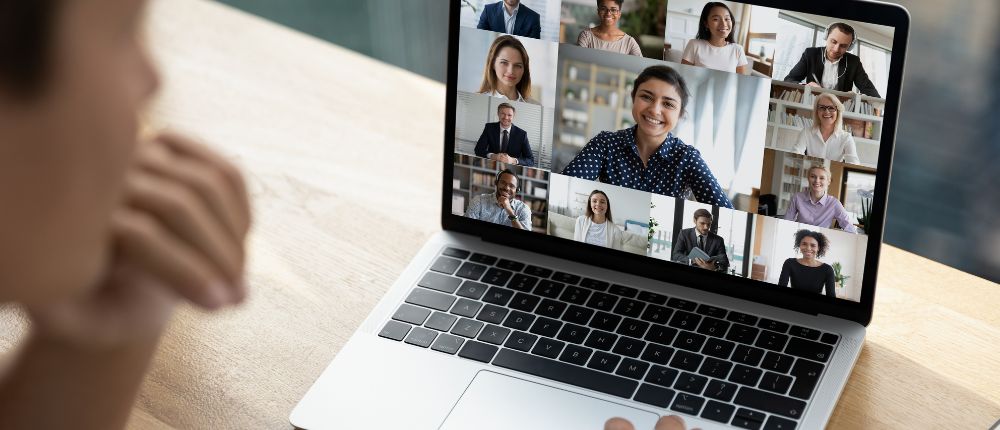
{"points": [[571, 193], [474, 46]]}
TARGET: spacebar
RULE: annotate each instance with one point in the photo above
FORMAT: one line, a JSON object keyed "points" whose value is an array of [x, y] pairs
{"points": [[566, 373]]}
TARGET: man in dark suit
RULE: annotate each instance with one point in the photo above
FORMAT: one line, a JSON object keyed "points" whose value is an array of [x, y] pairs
{"points": [[511, 17], [505, 142], [832, 67], [701, 236]]}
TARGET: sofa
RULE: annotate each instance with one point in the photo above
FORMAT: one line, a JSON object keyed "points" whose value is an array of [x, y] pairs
{"points": [[562, 226]]}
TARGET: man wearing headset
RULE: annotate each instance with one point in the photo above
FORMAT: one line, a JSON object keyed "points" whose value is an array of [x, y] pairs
{"points": [[832, 67], [500, 207]]}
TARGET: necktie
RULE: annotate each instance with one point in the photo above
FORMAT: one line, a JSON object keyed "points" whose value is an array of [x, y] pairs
{"points": [[701, 242], [503, 143]]}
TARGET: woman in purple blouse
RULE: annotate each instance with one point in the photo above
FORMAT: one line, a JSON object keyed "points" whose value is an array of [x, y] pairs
{"points": [[815, 206]]}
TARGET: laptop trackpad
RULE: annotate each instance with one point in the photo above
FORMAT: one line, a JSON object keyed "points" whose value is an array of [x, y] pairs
{"points": [[495, 401]]}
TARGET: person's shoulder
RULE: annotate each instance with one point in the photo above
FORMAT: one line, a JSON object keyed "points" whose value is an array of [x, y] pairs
{"points": [[813, 49], [528, 10]]}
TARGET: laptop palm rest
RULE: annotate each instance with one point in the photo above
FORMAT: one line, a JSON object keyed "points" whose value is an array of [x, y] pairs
{"points": [[495, 401]]}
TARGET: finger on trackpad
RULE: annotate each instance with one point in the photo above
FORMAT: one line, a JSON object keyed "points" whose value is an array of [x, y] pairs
{"points": [[495, 401]]}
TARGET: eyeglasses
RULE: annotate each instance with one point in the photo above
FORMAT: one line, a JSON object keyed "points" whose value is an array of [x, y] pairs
{"points": [[604, 11], [826, 108]]}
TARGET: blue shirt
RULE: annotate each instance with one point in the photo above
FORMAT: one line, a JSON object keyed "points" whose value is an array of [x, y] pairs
{"points": [[612, 157], [484, 207]]}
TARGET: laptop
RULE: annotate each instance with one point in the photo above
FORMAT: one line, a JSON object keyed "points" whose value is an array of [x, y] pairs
{"points": [[589, 148]]}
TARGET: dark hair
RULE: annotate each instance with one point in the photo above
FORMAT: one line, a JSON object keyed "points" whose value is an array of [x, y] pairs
{"points": [[505, 172], [619, 2], [702, 213], [703, 32], [821, 239], [26, 34], [844, 28], [505, 106], [590, 211], [665, 74]]}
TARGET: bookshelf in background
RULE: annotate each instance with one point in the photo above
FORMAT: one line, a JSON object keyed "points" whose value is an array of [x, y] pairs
{"points": [[594, 99], [474, 175]]}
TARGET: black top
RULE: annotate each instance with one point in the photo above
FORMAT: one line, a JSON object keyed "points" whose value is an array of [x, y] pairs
{"points": [[850, 72], [715, 247], [812, 279]]}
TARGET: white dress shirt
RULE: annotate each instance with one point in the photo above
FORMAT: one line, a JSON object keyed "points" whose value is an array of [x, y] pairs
{"points": [[830, 76], [490, 154], [508, 18], [840, 146]]}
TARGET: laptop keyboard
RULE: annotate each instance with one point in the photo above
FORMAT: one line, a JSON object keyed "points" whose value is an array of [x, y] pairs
{"points": [[668, 352]]}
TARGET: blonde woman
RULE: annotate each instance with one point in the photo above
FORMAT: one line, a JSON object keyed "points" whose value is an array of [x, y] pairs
{"points": [[597, 227], [507, 73], [827, 138], [815, 206]]}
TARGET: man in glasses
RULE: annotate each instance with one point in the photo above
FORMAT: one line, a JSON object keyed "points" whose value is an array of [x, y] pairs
{"points": [[832, 67], [511, 17]]}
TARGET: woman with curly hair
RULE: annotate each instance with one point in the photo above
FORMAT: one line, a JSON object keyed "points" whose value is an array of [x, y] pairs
{"points": [[808, 273]]}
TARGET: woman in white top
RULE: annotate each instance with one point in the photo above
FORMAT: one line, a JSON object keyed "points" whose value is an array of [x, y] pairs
{"points": [[826, 138], [714, 47], [596, 227], [507, 73], [606, 36]]}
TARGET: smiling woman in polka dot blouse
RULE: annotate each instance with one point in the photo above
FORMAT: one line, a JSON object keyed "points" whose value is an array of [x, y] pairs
{"points": [[648, 157]]}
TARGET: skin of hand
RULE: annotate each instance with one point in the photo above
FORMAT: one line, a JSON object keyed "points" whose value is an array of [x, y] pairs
{"points": [[670, 422], [704, 264], [813, 84]]}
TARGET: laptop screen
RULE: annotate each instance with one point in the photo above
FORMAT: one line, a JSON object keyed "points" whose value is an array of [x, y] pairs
{"points": [[735, 139]]}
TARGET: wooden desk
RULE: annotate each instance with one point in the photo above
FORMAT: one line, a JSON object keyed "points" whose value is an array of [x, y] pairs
{"points": [[342, 155]]}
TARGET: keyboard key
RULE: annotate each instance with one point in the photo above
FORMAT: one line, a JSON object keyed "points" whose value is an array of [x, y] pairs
{"points": [[657, 299], [471, 271], [715, 368], [747, 355], [718, 411], [775, 383], [631, 368], [629, 308], [447, 343], [467, 328], [745, 375], [631, 347], [540, 272], [522, 282], [713, 327], [477, 351], [521, 341], [594, 284], [466, 308], [441, 321], [494, 334], [633, 327], [682, 304], [602, 301], [605, 321], [660, 334], [742, 318], [430, 299], [721, 390], [576, 354], [457, 253], [807, 333], [472, 290], [656, 396], [711, 311], [777, 362], [411, 314], [566, 278], [770, 402], [492, 314], [550, 308], [548, 348], [546, 327], [561, 372], [510, 265], [654, 353], [686, 361], [623, 291], [691, 383], [394, 330], [437, 281], [685, 320], [604, 362], [578, 315], [742, 334], [550, 289], [773, 341], [809, 349], [498, 296], [718, 348], [689, 341], [573, 333], [662, 376], [748, 419], [775, 422], [524, 302], [687, 403], [519, 320], [806, 375], [773, 325], [575, 295], [601, 340], [483, 258], [657, 314], [829, 338], [446, 265], [496, 276], [421, 337]]}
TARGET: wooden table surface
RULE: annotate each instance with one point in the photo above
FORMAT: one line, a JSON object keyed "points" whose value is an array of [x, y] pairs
{"points": [[342, 154]]}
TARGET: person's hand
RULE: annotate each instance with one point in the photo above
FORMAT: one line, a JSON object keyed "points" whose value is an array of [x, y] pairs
{"points": [[178, 233], [504, 158], [814, 84], [670, 422], [704, 264], [504, 203]]}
